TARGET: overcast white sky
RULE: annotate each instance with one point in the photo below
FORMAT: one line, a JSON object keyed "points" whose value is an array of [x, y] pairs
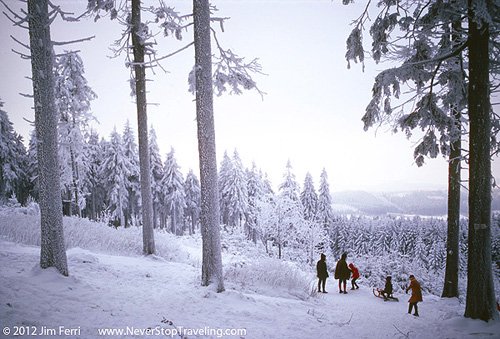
{"points": [[310, 115]]}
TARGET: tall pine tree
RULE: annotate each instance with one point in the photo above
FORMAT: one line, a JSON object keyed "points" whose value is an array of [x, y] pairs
{"points": [[156, 176], [73, 101], [225, 174], [52, 250], [309, 199], [116, 170], [237, 193], [175, 197], [13, 161], [133, 184]]}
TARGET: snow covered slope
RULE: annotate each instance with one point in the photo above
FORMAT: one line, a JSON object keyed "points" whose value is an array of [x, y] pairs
{"points": [[140, 294]]}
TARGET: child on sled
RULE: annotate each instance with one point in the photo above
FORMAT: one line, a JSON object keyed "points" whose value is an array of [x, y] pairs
{"points": [[386, 293]]}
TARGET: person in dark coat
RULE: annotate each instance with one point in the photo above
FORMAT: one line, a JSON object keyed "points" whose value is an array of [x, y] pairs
{"points": [[322, 273], [387, 292], [416, 295], [342, 273], [355, 276]]}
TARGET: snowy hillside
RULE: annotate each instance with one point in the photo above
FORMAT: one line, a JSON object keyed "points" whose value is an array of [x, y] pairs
{"points": [[112, 286], [430, 203]]}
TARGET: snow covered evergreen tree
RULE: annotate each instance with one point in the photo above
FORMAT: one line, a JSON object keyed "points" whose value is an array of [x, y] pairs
{"points": [[277, 222], [116, 171], [133, 184], [314, 238], [94, 180], [325, 211], [237, 193], [156, 176], [32, 167], [309, 199], [289, 210], [289, 224], [256, 189], [267, 186], [433, 42], [266, 220], [13, 161], [73, 101], [193, 197], [225, 174], [175, 197], [289, 187]]}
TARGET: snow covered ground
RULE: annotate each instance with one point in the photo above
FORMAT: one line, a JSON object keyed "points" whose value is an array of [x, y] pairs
{"points": [[152, 297]]}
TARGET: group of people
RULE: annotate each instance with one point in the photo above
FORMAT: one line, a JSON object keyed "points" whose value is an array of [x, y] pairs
{"points": [[344, 272]]}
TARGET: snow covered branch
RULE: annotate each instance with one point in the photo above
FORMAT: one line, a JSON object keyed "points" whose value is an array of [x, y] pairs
{"points": [[57, 11], [231, 70], [62, 43], [156, 60]]}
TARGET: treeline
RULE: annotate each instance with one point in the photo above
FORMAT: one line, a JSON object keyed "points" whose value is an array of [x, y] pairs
{"points": [[100, 181], [295, 223]]}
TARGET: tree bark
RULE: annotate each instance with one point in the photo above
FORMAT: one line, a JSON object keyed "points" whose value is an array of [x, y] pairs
{"points": [[450, 289], [210, 212], [480, 300], [142, 130], [52, 249]]}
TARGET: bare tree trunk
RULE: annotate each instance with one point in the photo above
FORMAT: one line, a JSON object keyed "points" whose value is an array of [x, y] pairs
{"points": [[142, 122], [52, 250], [480, 300], [450, 289], [210, 212]]}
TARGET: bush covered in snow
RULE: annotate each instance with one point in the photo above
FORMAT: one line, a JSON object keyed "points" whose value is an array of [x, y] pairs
{"points": [[22, 225], [271, 276]]}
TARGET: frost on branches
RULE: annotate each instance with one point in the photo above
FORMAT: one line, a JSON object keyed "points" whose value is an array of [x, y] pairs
{"points": [[73, 101], [419, 36]]}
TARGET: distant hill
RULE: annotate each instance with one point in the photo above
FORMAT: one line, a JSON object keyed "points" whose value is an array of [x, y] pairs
{"points": [[432, 203]]}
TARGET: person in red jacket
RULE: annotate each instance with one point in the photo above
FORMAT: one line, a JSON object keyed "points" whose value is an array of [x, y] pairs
{"points": [[355, 276], [416, 294]]}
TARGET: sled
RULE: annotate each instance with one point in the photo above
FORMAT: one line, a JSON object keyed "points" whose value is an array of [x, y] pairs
{"points": [[378, 293]]}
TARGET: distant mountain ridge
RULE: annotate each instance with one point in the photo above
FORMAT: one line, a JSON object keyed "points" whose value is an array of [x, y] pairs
{"points": [[421, 202]]}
